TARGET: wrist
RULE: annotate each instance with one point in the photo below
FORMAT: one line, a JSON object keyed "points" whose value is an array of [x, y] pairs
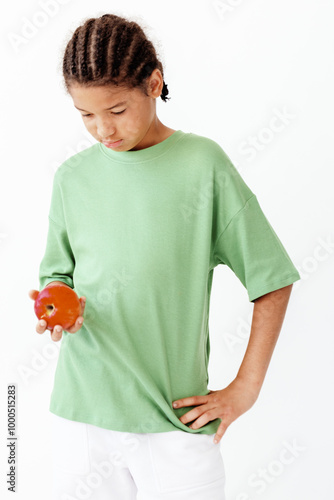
{"points": [[251, 386], [58, 283]]}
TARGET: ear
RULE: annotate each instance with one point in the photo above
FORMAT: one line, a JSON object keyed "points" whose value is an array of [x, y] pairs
{"points": [[155, 83]]}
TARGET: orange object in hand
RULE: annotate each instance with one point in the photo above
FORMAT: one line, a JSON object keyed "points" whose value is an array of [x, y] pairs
{"points": [[57, 305]]}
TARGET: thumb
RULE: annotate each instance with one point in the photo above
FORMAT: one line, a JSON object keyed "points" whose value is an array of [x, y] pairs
{"points": [[33, 294], [83, 304]]}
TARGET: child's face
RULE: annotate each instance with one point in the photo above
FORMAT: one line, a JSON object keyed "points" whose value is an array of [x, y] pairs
{"points": [[135, 126]]}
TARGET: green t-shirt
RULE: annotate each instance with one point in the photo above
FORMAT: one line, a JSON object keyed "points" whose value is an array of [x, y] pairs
{"points": [[139, 233]]}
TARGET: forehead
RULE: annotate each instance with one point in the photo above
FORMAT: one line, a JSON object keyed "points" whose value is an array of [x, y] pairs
{"points": [[101, 97]]}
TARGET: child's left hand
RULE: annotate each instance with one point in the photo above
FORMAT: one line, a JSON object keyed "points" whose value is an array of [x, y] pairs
{"points": [[227, 404]]}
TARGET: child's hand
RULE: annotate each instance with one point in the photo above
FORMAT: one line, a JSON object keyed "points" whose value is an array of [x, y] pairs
{"points": [[57, 332], [227, 404]]}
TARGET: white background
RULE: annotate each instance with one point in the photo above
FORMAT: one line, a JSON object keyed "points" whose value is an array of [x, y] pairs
{"points": [[230, 67]]}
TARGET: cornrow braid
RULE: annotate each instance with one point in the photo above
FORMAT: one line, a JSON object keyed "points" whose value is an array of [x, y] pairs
{"points": [[110, 50]]}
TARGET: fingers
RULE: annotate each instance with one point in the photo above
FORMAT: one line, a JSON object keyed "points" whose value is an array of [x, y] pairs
{"points": [[57, 333], [202, 420], [41, 326], [194, 414], [83, 304], [80, 319], [191, 401], [77, 325], [220, 431]]}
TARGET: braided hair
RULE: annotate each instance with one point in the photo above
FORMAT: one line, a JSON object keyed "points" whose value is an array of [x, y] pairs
{"points": [[110, 50]]}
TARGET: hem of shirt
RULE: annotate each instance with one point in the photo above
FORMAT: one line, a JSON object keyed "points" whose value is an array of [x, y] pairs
{"points": [[68, 282], [271, 287], [167, 427]]}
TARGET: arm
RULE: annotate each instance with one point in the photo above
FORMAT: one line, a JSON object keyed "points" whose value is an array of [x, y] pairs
{"points": [[58, 262], [268, 315], [240, 395]]}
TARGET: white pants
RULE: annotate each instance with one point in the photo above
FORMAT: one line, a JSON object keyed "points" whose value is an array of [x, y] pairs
{"points": [[93, 463]]}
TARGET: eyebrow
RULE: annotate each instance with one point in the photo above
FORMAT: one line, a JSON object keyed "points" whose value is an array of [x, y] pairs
{"points": [[114, 106]]}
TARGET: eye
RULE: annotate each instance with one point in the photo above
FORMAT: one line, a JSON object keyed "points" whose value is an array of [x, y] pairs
{"points": [[118, 113]]}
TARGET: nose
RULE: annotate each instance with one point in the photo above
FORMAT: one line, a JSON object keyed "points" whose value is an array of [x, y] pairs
{"points": [[105, 129]]}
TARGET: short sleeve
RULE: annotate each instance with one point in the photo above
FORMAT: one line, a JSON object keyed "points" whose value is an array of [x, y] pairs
{"points": [[250, 247], [58, 261]]}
